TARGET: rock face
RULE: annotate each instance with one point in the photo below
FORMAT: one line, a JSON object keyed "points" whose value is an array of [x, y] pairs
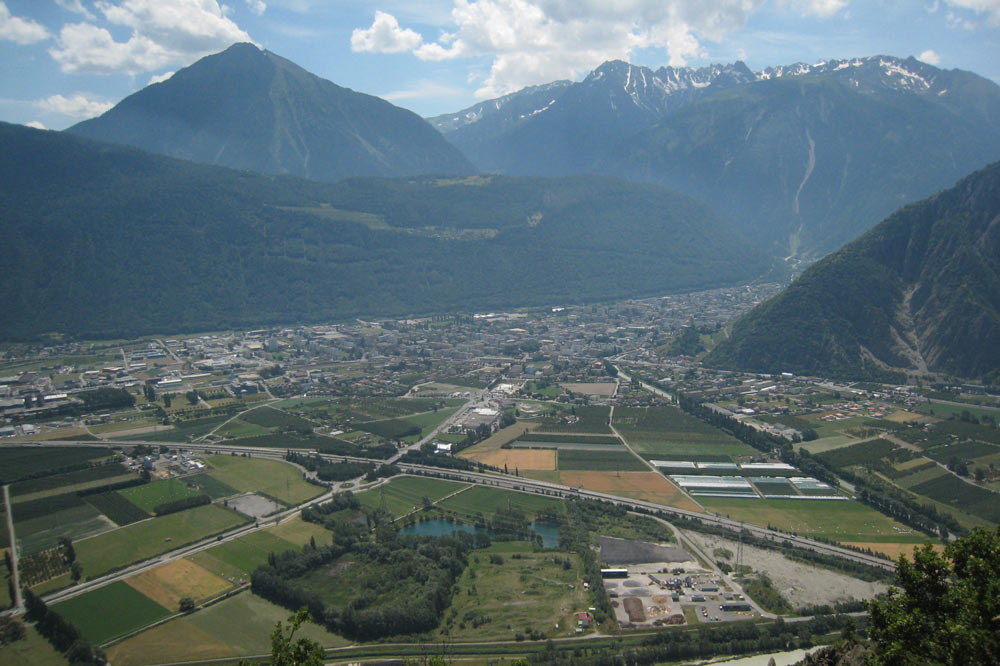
{"points": [[920, 292], [250, 109]]}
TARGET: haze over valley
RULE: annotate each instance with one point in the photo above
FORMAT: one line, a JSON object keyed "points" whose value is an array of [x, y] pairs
{"points": [[499, 332]]}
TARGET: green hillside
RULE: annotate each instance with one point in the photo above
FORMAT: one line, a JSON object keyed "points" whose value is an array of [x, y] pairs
{"points": [[105, 240], [919, 292]]}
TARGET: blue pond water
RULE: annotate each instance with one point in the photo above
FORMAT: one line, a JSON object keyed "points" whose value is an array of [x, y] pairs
{"points": [[441, 527]]}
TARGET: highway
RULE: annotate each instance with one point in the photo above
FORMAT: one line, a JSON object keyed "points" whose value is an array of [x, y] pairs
{"points": [[522, 484]]}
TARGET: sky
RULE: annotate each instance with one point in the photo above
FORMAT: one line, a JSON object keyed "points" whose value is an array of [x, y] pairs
{"points": [[62, 61]]}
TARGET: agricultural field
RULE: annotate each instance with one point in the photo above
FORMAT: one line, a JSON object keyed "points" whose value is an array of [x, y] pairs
{"points": [[428, 421], [171, 582], [403, 494], [667, 433], [268, 417], [837, 521], [582, 419], [143, 540], [269, 477], [591, 388], [209, 485], [91, 613], [118, 509], [519, 459], [18, 463], [185, 431], [236, 559], [865, 454], [615, 461], [391, 428], [298, 532], [241, 625], [78, 521], [82, 479], [491, 450], [486, 501], [239, 428], [943, 410], [151, 495], [557, 441], [953, 491], [646, 486], [502, 593]]}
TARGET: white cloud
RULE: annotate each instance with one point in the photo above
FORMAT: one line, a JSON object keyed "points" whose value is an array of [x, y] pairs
{"points": [[820, 8], [258, 7], [536, 41], [163, 33], [19, 30], [76, 6], [77, 105], [989, 7], [36, 125], [159, 78], [384, 36], [930, 57], [425, 90]]}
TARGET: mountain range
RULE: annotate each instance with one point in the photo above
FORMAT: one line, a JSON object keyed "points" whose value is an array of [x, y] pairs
{"points": [[251, 109], [103, 240], [918, 293], [788, 154]]}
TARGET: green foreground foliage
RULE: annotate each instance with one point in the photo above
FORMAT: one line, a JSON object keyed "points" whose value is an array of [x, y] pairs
{"points": [[946, 608]]}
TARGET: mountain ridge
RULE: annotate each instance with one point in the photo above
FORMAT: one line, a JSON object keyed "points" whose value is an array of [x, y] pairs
{"points": [[250, 109], [826, 131], [919, 293]]}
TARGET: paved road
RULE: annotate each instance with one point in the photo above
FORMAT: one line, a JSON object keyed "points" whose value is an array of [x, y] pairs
{"points": [[544, 488], [18, 602]]}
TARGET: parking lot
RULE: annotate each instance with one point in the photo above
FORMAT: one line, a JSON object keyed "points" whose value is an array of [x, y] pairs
{"points": [[654, 595]]}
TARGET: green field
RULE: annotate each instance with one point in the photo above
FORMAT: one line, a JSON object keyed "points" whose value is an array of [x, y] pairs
{"points": [[117, 508], [150, 495], [836, 520], [591, 419], [143, 540], [242, 555], [532, 591], [957, 493], [43, 532], [33, 650], [69, 481], [238, 428], [404, 493], [485, 500], [553, 438], [209, 485], [865, 453], [670, 434], [19, 462], [429, 421], [613, 461], [110, 611], [270, 477], [943, 411], [241, 625], [268, 417]]}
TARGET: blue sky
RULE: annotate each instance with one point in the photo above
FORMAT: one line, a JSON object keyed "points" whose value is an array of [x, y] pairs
{"points": [[65, 60]]}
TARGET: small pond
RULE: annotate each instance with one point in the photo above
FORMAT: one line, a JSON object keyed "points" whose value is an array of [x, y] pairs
{"points": [[440, 527]]}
